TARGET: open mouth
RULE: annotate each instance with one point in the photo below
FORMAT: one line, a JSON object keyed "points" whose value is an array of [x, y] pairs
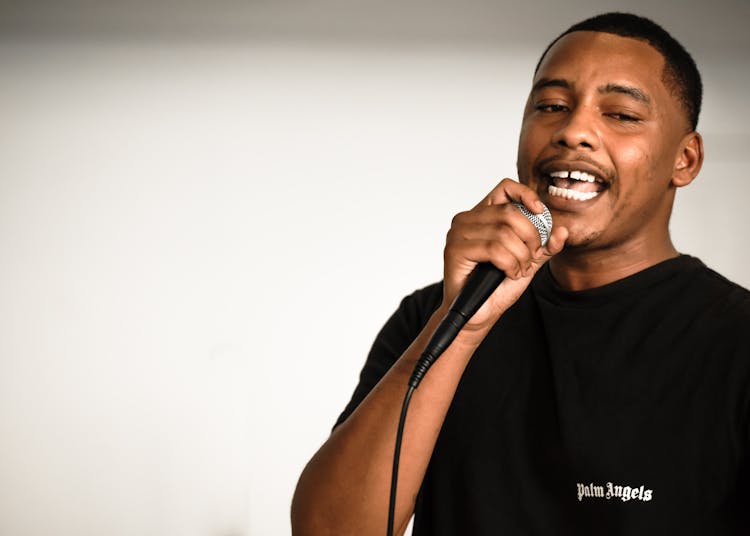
{"points": [[575, 184]]}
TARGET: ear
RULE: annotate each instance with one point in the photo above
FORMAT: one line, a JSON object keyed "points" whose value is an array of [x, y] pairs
{"points": [[689, 160]]}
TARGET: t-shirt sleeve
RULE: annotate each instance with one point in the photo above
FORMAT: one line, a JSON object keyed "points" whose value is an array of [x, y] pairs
{"points": [[393, 339]]}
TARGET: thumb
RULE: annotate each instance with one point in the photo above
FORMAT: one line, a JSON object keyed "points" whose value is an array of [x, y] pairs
{"points": [[513, 288], [554, 245]]}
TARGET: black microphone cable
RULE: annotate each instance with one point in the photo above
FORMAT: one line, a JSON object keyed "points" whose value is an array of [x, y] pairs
{"points": [[482, 282]]}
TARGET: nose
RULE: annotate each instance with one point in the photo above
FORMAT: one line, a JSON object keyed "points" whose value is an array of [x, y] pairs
{"points": [[577, 131]]}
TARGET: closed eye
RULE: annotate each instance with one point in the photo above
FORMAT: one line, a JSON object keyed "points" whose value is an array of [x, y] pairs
{"points": [[551, 108], [624, 117]]}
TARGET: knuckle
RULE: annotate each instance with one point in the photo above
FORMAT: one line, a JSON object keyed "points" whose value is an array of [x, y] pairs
{"points": [[456, 235], [503, 231], [496, 251], [454, 250], [450, 236], [459, 218], [508, 235], [508, 210]]}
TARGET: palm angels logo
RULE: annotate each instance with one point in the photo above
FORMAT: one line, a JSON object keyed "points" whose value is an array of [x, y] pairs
{"points": [[609, 491]]}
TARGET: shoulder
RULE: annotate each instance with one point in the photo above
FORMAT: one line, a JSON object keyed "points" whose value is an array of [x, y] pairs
{"points": [[420, 304], [720, 296], [716, 316], [394, 337], [411, 316]]}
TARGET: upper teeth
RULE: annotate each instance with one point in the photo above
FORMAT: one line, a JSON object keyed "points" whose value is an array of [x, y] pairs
{"points": [[577, 175]]}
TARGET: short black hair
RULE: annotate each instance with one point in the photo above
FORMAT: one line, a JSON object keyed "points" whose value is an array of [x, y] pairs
{"points": [[680, 76]]}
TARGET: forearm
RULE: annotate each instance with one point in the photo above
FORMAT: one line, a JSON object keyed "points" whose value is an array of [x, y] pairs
{"points": [[345, 487]]}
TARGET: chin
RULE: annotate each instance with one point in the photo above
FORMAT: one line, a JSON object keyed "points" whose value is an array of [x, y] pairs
{"points": [[582, 238]]}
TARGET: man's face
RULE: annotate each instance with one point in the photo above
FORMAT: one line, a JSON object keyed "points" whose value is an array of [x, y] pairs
{"points": [[599, 109]]}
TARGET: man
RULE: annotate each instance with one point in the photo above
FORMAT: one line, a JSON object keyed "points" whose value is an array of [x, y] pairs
{"points": [[604, 388]]}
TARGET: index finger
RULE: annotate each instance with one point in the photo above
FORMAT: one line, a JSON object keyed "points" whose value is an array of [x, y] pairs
{"points": [[510, 191]]}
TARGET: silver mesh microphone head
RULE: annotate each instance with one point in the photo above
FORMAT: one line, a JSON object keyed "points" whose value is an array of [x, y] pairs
{"points": [[542, 222]]}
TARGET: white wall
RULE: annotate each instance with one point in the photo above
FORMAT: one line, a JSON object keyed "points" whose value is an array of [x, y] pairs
{"points": [[182, 218]]}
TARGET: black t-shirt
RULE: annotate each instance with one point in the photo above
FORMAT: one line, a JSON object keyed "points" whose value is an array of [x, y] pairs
{"points": [[616, 410]]}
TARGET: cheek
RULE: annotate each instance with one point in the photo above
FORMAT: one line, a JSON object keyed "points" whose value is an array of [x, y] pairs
{"points": [[530, 143], [641, 188], [638, 173], [523, 161], [634, 162], [645, 159]]}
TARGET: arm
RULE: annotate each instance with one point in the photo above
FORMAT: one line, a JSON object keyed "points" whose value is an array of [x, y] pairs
{"points": [[344, 488]]}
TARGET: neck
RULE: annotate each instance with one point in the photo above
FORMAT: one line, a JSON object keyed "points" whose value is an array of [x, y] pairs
{"points": [[579, 269]]}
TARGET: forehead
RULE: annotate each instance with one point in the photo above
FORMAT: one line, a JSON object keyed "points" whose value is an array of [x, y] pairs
{"points": [[602, 58]]}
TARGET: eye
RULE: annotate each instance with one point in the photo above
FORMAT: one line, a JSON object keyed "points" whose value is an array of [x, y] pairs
{"points": [[551, 108], [624, 117]]}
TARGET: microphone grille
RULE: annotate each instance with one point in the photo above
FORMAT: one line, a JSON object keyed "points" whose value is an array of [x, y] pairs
{"points": [[542, 222]]}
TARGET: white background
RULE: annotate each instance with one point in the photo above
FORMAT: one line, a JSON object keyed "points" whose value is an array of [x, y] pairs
{"points": [[208, 209]]}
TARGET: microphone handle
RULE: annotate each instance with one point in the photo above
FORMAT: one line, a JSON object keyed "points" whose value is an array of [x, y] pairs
{"points": [[482, 282]]}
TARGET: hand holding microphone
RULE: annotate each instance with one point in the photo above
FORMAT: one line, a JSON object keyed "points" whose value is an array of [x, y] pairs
{"points": [[492, 252], [491, 255]]}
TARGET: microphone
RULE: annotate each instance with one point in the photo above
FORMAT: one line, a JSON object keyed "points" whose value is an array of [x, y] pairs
{"points": [[482, 282]]}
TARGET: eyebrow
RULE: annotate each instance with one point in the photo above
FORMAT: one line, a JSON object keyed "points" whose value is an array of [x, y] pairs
{"points": [[631, 91], [550, 82]]}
